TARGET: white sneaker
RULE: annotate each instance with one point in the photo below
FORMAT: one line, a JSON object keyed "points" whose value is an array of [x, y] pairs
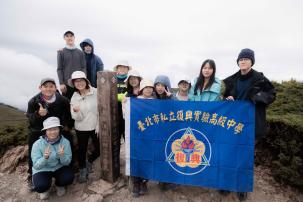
{"points": [[44, 195], [61, 191]]}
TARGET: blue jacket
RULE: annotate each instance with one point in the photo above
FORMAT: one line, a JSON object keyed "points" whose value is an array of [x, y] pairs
{"points": [[96, 63], [54, 162], [211, 94]]}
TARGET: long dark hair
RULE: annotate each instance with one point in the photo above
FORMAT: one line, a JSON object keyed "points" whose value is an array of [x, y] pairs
{"points": [[200, 81], [130, 89]]}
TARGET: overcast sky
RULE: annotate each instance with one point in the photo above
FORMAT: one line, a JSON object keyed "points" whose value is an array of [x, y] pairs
{"points": [[156, 37]]}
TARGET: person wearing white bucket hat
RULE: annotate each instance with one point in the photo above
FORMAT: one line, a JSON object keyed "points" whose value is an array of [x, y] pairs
{"points": [[51, 155], [45, 104], [84, 111], [133, 83], [121, 69], [139, 184]]}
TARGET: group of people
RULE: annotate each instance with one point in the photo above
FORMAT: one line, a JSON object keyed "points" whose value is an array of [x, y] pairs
{"points": [[52, 116]]}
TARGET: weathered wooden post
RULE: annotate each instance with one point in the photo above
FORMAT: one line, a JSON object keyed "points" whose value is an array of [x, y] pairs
{"points": [[108, 126]]}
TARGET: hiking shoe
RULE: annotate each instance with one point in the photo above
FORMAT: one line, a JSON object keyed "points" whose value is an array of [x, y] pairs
{"points": [[143, 187], [89, 167], [242, 196], [60, 191], [223, 192], [135, 190], [83, 175], [164, 186], [44, 195]]}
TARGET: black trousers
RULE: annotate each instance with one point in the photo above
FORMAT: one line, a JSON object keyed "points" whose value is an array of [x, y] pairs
{"points": [[83, 137], [69, 92], [42, 181]]}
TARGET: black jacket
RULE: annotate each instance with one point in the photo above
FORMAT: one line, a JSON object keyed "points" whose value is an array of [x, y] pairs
{"points": [[60, 108], [261, 92]]}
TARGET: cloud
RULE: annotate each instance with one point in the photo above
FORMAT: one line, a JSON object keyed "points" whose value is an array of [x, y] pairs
{"points": [[20, 77], [157, 37]]}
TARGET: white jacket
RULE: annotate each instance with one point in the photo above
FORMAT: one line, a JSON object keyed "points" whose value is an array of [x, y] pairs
{"points": [[87, 118]]}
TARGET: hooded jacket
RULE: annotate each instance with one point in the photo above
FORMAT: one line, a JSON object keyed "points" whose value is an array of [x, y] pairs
{"points": [[261, 92], [54, 161], [96, 63], [163, 79]]}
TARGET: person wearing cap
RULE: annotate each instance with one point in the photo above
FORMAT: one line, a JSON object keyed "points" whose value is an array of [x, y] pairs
{"points": [[248, 84], [45, 104], [69, 59], [84, 111], [206, 86], [184, 85], [121, 70], [93, 61], [51, 155]]}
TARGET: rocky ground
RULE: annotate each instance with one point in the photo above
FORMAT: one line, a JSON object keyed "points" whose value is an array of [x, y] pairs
{"points": [[13, 188]]}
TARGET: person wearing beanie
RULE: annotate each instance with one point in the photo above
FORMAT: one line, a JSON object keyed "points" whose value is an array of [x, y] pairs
{"points": [[93, 61], [69, 59], [248, 84]]}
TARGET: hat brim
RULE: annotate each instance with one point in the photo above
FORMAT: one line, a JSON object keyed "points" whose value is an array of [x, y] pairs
{"points": [[51, 81], [70, 81], [129, 67], [51, 126]]}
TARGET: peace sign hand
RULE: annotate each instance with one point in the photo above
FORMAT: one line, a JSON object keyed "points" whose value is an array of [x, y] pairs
{"points": [[61, 150], [47, 152], [167, 92]]}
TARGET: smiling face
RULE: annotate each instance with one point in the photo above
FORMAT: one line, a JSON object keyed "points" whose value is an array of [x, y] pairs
{"points": [[80, 84], [48, 89], [207, 71], [160, 88], [121, 70], [134, 81], [183, 86], [69, 39], [245, 65], [147, 91], [52, 133]]}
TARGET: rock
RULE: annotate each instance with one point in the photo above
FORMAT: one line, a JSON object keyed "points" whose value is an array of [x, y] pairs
{"points": [[100, 186], [12, 157], [94, 198]]}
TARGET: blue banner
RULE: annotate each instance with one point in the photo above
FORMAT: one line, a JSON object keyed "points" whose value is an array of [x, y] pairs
{"points": [[209, 144]]}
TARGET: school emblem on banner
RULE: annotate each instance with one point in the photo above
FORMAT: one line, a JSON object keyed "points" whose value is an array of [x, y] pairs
{"points": [[188, 148]]}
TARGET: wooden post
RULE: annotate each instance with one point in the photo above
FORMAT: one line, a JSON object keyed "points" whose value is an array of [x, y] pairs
{"points": [[108, 126]]}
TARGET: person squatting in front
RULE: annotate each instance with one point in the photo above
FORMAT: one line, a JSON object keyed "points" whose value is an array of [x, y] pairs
{"points": [[84, 111], [51, 155]]}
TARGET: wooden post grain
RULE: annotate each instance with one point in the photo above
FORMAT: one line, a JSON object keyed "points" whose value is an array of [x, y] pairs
{"points": [[108, 126]]}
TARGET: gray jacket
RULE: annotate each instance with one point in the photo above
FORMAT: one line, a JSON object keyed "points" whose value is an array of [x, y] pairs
{"points": [[69, 60]]}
